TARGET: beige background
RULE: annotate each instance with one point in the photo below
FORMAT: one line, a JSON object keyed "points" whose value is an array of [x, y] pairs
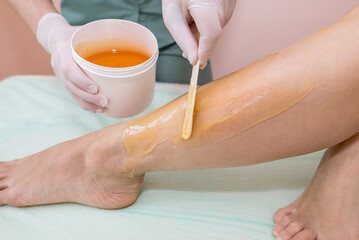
{"points": [[257, 28]]}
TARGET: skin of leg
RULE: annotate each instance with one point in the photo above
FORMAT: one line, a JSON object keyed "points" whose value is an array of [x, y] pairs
{"points": [[327, 208], [324, 67], [283, 105]]}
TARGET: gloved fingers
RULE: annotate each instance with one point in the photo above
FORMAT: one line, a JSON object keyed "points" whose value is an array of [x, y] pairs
{"points": [[194, 30], [224, 8], [95, 99], [73, 72], [70, 68], [86, 105], [210, 29], [179, 28]]}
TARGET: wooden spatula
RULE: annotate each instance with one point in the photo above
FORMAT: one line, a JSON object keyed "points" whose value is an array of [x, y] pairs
{"points": [[191, 100]]}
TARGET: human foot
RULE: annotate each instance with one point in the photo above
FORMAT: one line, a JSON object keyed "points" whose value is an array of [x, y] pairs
{"points": [[328, 208], [91, 170]]}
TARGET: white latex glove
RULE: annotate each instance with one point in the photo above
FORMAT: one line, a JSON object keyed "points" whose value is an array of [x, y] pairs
{"points": [[189, 19], [54, 34]]}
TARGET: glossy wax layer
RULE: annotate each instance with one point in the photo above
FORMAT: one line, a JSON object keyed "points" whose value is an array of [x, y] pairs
{"points": [[224, 108]]}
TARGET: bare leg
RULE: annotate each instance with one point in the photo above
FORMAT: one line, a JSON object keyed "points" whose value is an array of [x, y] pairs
{"points": [[327, 209], [302, 99]]}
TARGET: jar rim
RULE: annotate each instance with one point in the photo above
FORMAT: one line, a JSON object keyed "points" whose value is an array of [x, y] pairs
{"points": [[115, 72]]}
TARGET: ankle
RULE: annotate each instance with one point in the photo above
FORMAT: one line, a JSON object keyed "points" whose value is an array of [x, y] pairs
{"points": [[105, 147]]}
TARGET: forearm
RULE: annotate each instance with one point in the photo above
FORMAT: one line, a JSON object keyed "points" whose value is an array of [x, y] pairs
{"points": [[31, 11], [296, 101]]}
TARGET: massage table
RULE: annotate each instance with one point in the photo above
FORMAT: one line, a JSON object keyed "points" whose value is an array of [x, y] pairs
{"points": [[233, 203]]}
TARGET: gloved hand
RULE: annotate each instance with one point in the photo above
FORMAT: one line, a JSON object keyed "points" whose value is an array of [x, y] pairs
{"points": [[186, 19], [54, 34]]}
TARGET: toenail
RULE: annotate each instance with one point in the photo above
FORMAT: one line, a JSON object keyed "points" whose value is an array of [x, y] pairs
{"points": [[278, 238], [275, 233]]}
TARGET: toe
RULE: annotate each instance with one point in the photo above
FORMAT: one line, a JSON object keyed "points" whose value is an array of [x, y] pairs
{"points": [[9, 163], [280, 213], [3, 167], [3, 183], [3, 196], [3, 174], [292, 229], [306, 234], [282, 224], [6, 165], [3, 163]]}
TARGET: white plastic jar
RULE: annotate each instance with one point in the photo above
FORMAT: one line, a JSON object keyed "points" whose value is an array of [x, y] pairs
{"points": [[129, 90]]}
